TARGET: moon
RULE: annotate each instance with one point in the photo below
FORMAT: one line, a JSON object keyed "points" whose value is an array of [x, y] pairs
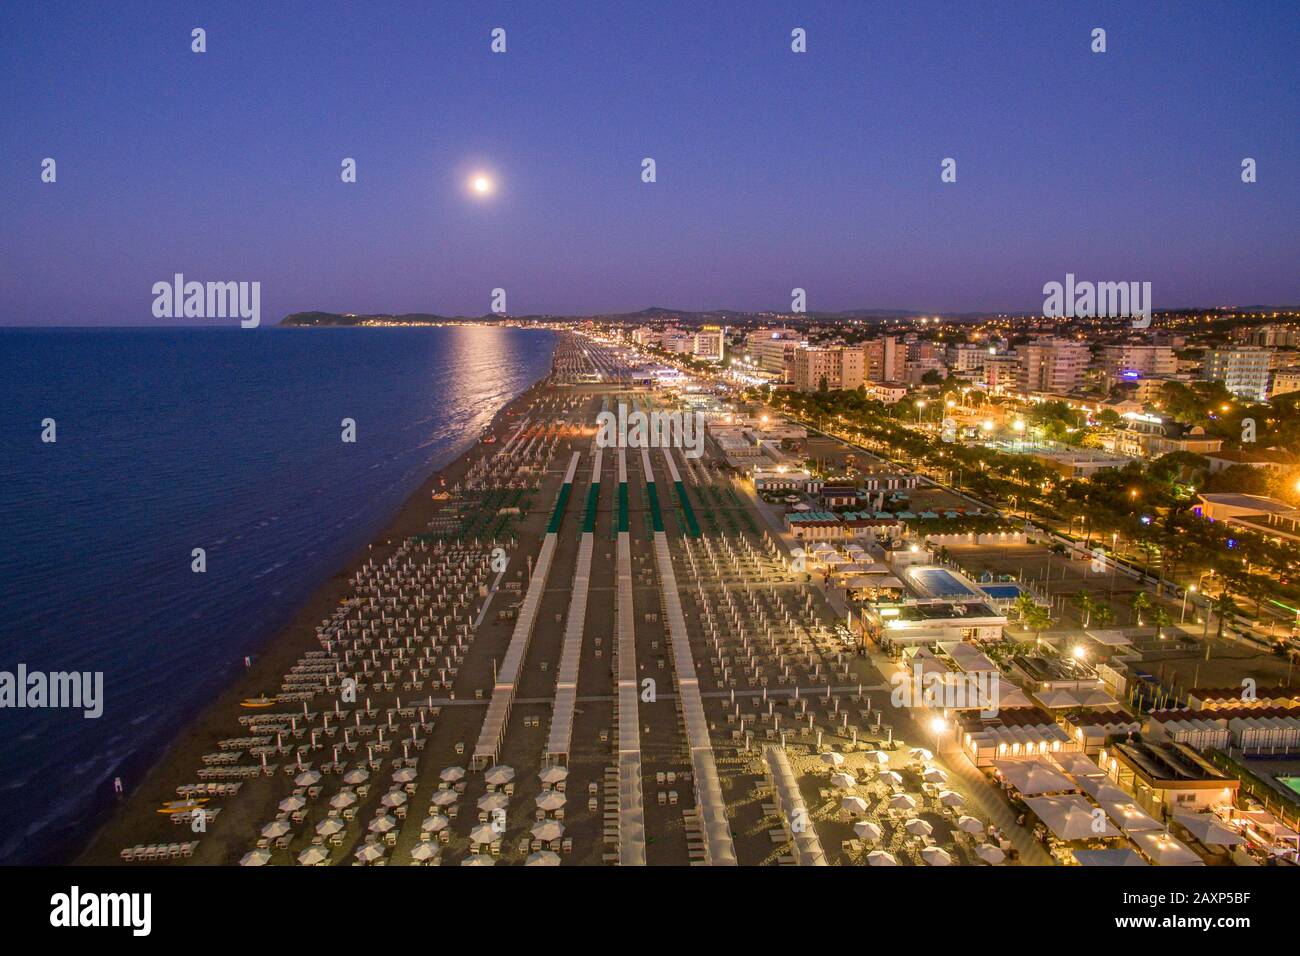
{"points": [[481, 184]]}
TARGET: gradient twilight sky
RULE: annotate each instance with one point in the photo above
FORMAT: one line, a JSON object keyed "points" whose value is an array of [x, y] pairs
{"points": [[775, 170]]}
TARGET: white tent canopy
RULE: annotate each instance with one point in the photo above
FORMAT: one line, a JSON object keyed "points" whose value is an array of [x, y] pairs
{"points": [[1207, 828], [1033, 776], [1071, 817]]}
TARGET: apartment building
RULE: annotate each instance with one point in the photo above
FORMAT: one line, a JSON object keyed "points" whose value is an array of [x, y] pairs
{"points": [[833, 368], [886, 360], [1244, 371], [1132, 362], [1051, 365]]}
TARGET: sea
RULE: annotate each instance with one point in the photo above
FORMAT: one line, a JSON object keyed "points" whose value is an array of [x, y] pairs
{"points": [[171, 440]]}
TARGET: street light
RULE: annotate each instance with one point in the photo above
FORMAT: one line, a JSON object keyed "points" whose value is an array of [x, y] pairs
{"points": [[1191, 589]]}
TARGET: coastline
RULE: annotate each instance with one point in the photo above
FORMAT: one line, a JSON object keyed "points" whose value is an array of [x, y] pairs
{"points": [[136, 811]]}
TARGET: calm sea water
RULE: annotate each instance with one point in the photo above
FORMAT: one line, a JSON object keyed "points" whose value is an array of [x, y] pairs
{"points": [[170, 440]]}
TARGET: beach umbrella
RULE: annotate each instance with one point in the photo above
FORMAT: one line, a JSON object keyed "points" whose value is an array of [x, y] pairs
{"points": [[878, 757], [844, 781], [369, 853], [276, 828], [890, 776], [329, 826], [866, 830], [1207, 828], [934, 775], [382, 824], [950, 798], [424, 850], [478, 859], [920, 753], [499, 775], [405, 775], [452, 774], [493, 801], [936, 856], [313, 856], [902, 801], [543, 858], [970, 825], [308, 778], [550, 800], [553, 774], [918, 827], [548, 830], [444, 798], [881, 858], [854, 804], [434, 823], [293, 804], [343, 799], [356, 776], [484, 833], [990, 854], [393, 798], [831, 758], [255, 858]]}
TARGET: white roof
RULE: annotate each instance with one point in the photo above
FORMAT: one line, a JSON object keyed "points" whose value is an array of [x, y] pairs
{"points": [[1033, 775], [1071, 817]]}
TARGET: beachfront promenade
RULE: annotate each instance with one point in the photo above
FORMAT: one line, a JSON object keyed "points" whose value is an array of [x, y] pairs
{"points": [[589, 656]]}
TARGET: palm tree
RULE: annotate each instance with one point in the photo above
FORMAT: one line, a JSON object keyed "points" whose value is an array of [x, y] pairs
{"points": [[1161, 619], [1104, 614], [1037, 619], [1086, 605], [1025, 604], [1140, 603], [1224, 606]]}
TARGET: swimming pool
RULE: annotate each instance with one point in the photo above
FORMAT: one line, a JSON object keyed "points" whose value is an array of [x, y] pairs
{"points": [[939, 583], [1002, 592], [1291, 783]]}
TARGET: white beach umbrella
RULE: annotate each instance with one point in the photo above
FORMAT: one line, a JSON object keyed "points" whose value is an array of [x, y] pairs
{"points": [[831, 758], [844, 781], [493, 801], [881, 858], [313, 856], [478, 859], [918, 827], [499, 775], [308, 778], [484, 833], [255, 858], [970, 825], [990, 854], [433, 824], [543, 858], [382, 824], [343, 799], [891, 776], [329, 826], [854, 804], [920, 753], [444, 798], [866, 830], [902, 801], [369, 853], [393, 798], [553, 774], [936, 856], [950, 798], [293, 804], [934, 775], [276, 828], [878, 757], [405, 775], [550, 800], [424, 850], [548, 830], [452, 774], [356, 776]]}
